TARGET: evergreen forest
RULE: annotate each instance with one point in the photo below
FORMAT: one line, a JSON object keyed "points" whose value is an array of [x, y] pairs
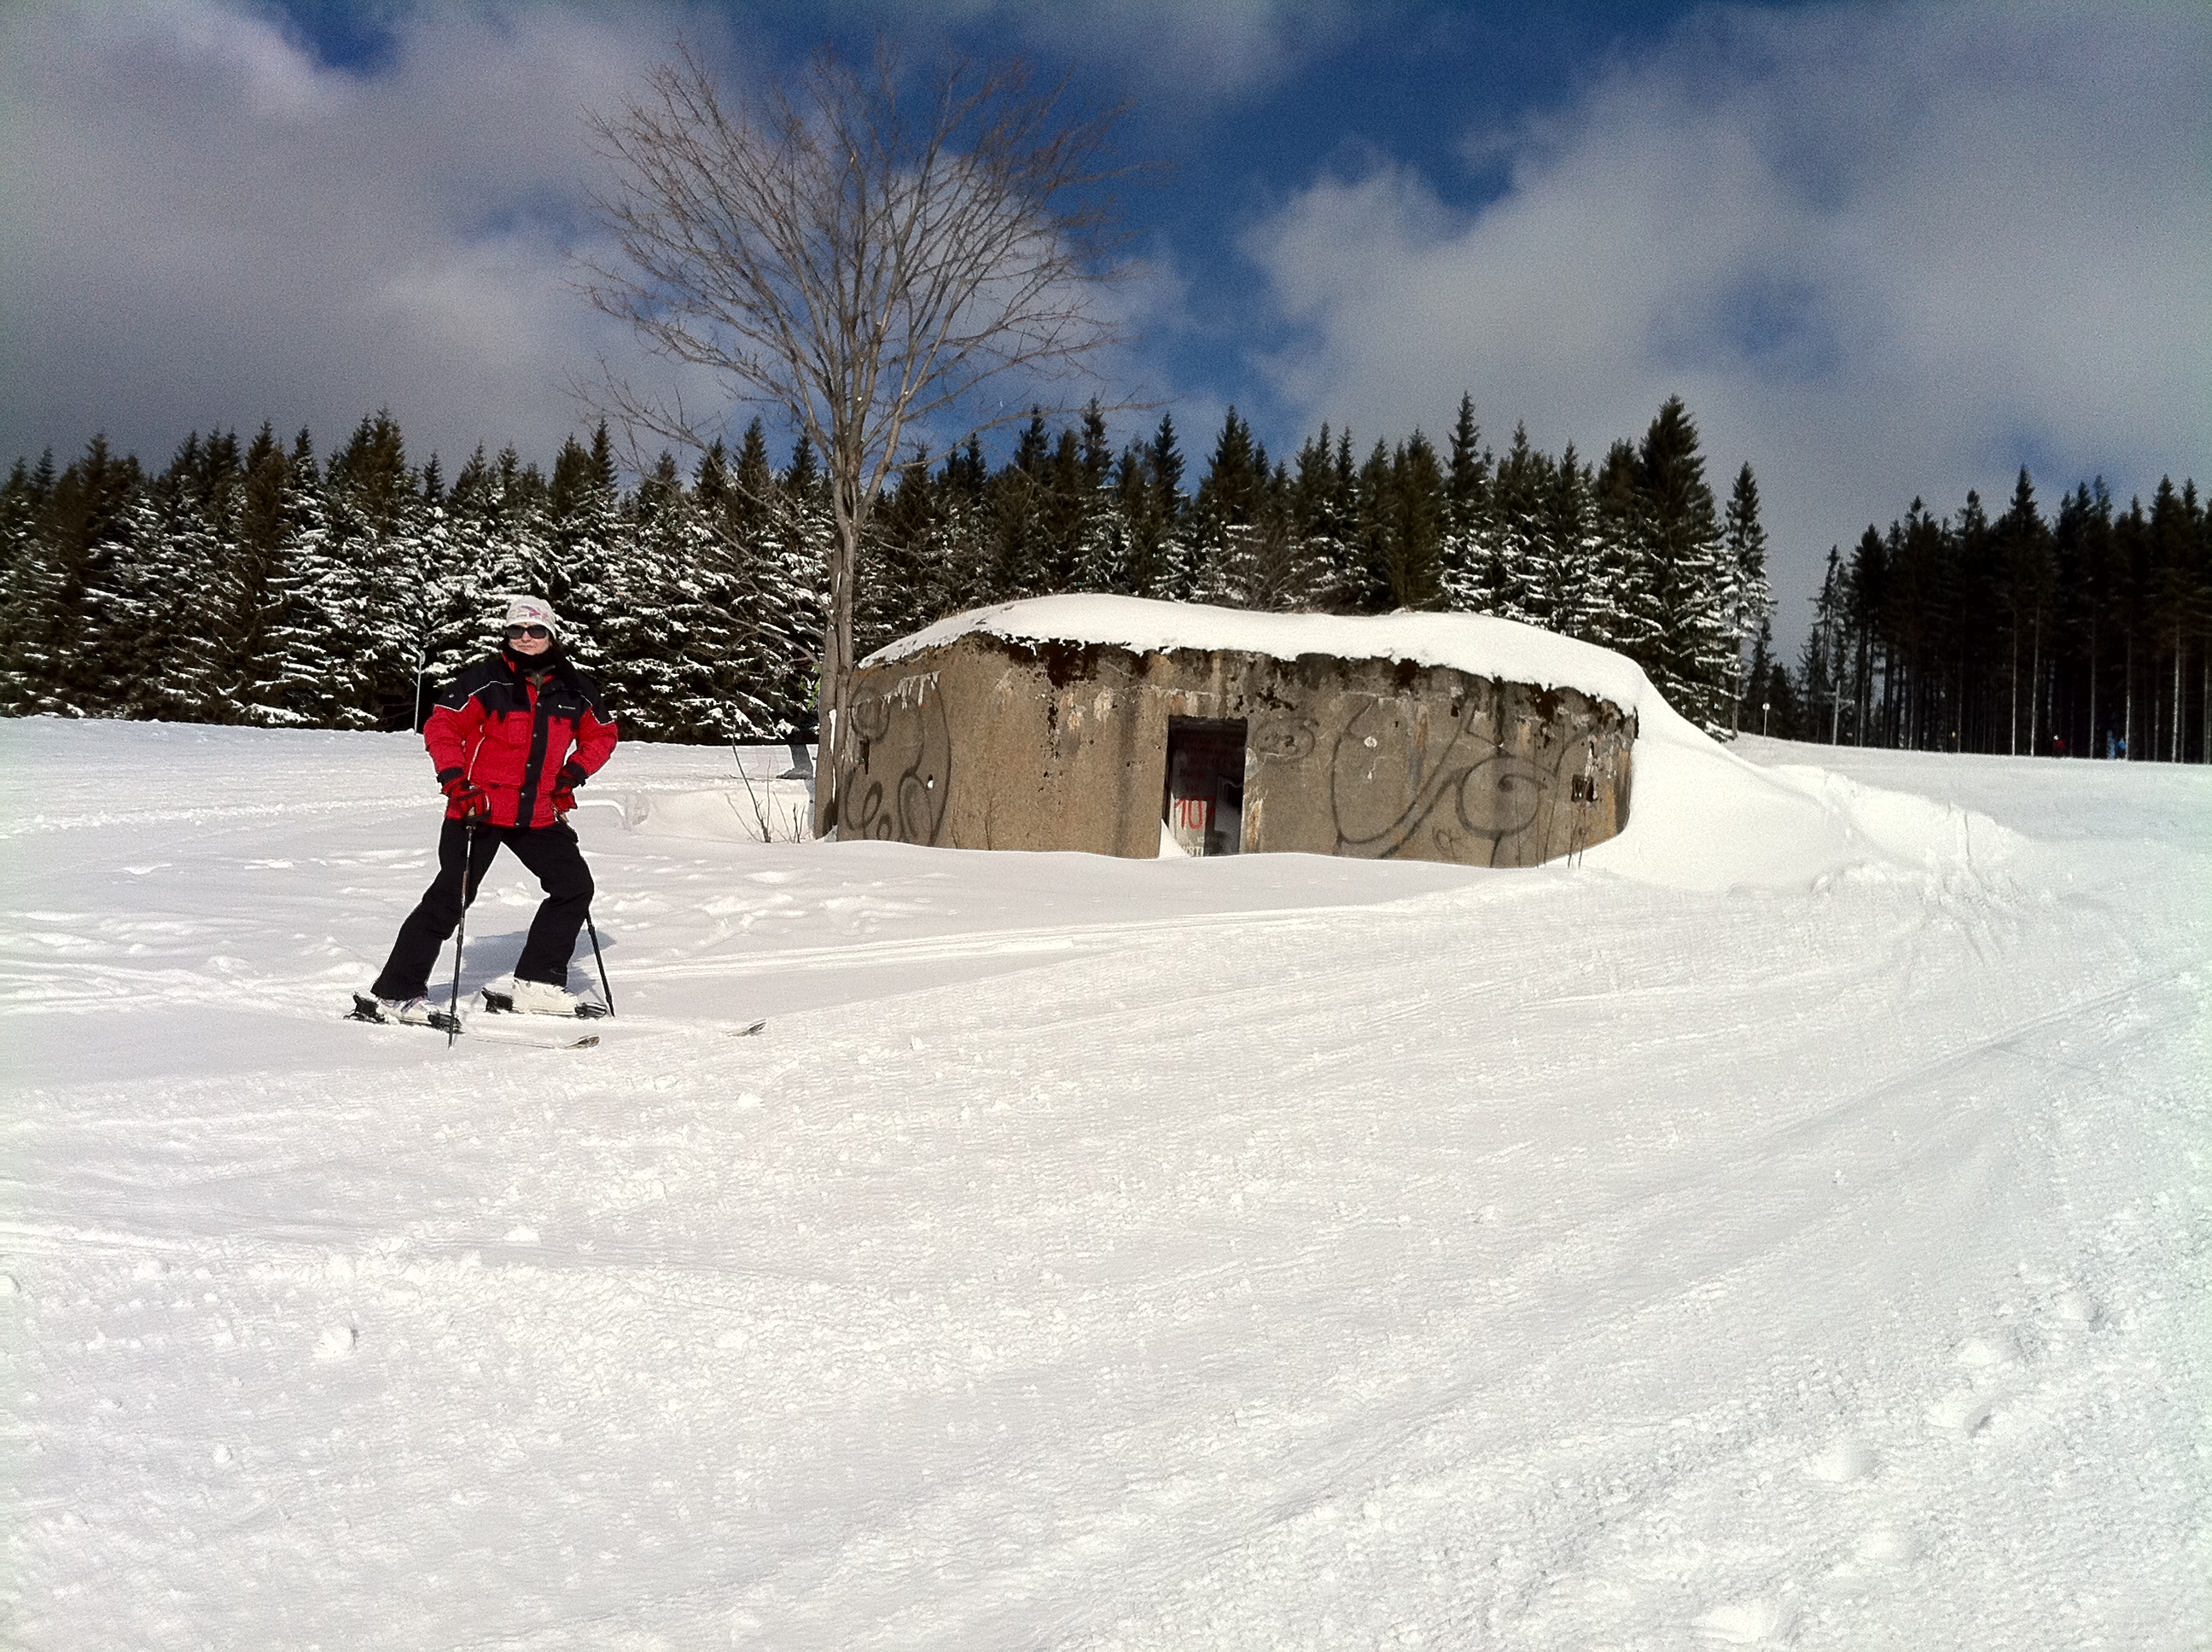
{"points": [[2080, 631], [257, 583]]}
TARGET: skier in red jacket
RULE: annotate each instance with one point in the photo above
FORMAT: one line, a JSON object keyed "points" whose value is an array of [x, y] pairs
{"points": [[512, 738]]}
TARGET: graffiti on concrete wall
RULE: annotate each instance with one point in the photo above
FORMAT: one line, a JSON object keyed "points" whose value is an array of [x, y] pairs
{"points": [[1398, 770], [898, 787], [1284, 739]]}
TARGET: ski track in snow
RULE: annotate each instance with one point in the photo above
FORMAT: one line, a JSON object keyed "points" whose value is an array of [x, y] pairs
{"points": [[1102, 1254]]}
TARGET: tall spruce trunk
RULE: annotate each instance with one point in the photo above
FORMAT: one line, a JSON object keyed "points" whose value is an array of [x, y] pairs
{"points": [[2128, 720], [2012, 726], [2178, 681], [2035, 695], [2093, 688]]}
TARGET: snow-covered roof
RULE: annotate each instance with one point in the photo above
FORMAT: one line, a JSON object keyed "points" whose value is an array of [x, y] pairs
{"points": [[1474, 643]]}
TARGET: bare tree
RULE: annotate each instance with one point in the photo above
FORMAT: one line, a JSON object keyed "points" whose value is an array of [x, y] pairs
{"points": [[883, 269]]}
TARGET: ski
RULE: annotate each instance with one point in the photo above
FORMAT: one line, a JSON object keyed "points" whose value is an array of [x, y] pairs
{"points": [[590, 1041], [366, 1009], [503, 1003]]}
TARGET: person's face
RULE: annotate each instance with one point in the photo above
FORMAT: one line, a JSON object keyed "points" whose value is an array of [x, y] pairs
{"points": [[529, 639]]}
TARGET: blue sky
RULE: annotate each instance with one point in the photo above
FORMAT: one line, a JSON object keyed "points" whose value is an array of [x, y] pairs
{"points": [[1882, 249]]}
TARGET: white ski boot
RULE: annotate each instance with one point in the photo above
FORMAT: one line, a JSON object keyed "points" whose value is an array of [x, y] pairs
{"points": [[404, 1012], [514, 996]]}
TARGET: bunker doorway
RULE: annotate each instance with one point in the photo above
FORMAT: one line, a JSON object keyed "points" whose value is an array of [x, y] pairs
{"points": [[1205, 807]]}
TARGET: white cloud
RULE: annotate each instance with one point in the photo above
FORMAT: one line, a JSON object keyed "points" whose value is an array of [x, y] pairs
{"points": [[209, 226], [1882, 251], [1199, 53]]}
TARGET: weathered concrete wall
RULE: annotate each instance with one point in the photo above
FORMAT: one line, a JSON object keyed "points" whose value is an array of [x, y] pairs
{"points": [[985, 743]]}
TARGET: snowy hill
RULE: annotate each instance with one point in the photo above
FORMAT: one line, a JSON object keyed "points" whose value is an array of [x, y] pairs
{"points": [[1788, 1225]]}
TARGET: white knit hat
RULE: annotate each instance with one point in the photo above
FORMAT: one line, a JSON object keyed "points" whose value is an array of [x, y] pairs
{"points": [[531, 610]]}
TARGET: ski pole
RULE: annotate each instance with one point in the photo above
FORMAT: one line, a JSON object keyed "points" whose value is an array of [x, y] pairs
{"points": [[460, 934], [599, 958]]}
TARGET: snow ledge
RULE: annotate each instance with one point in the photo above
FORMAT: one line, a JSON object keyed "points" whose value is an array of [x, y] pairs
{"points": [[1478, 644]]}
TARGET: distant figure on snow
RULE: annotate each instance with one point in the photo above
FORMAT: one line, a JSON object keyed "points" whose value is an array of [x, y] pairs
{"points": [[512, 738]]}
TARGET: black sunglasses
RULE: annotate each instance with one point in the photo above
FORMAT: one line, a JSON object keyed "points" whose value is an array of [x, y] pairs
{"points": [[516, 633]]}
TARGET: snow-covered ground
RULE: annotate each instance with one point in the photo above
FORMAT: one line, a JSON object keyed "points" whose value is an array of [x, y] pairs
{"points": [[1789, 1225]]}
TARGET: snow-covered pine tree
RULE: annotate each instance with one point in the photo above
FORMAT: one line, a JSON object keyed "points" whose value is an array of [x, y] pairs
{"points": [[585, 544], [232, 589], [899, 563], [166, 582], [1572, 544], [1625, 613], [1016, 500], [1284, 572], [287, 684], [524, 561], [1063, 505], [1413, 543], [1168, 557], [454, 619], [1133, 509], [964, 530], [481, 542], [698, 548], [478, 567], [360, 671], [249, 661], [30, 585], [1468, 551], [789, 596], [1688, 658], [1102, 536], [1363, 577], [1521, 571], [1319, 526], [676, 646], [329, 636], [1747, 599], [637, 641], [77, 656], [672, 643], [1225, 516]]}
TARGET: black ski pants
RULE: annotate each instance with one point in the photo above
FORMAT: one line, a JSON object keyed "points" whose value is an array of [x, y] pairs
{"points": [[549, 850]]}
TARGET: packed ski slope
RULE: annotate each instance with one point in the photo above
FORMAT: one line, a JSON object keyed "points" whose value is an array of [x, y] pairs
{"points": [[1788, 1226]]}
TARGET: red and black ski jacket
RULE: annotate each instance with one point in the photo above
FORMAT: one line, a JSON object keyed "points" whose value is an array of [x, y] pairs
{"points": [[519, 741]]}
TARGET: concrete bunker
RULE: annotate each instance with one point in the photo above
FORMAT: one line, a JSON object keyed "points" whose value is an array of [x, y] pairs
{"points": [[1122, 726]]}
